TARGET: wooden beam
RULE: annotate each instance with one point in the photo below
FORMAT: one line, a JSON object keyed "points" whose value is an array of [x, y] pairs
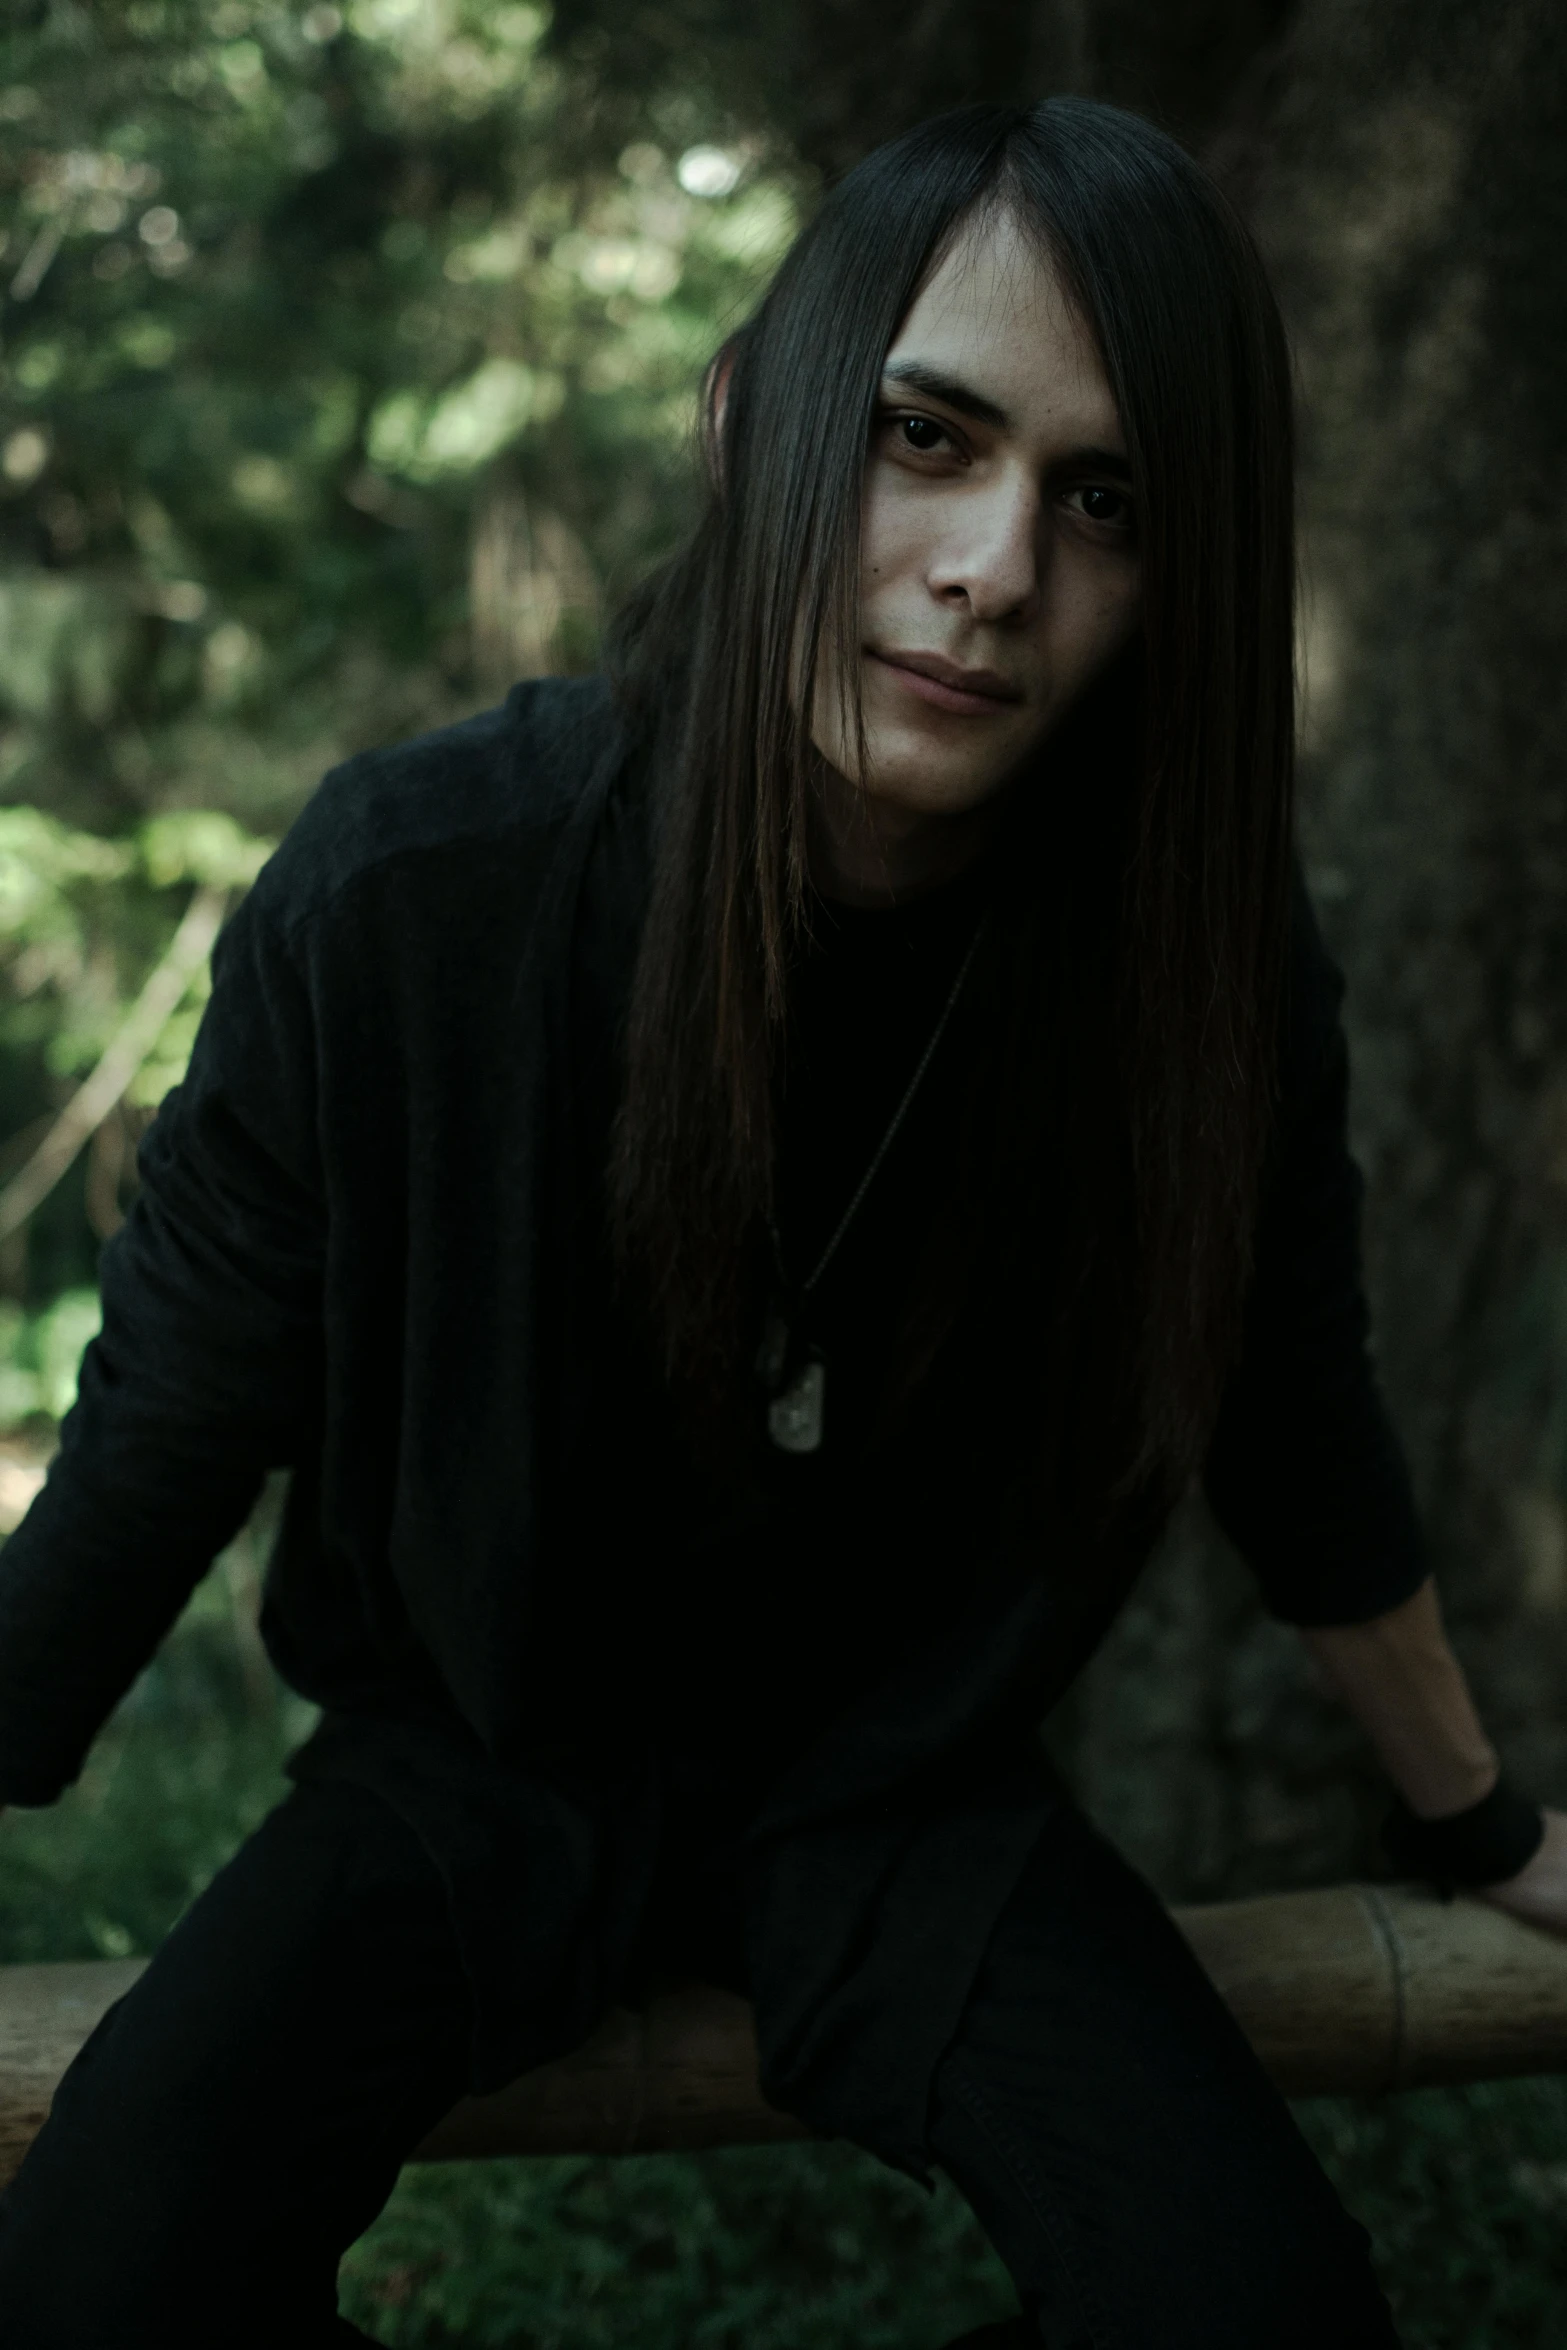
{"points": [[46, 2012], [1361, 1988], [1354, 1989]]}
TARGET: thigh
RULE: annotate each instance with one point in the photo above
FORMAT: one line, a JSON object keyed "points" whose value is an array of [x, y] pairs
{"points": [[1120, 2143], [241, 2115]]}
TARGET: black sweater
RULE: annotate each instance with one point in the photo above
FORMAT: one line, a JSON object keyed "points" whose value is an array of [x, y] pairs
{"points": [[369, 1246]]}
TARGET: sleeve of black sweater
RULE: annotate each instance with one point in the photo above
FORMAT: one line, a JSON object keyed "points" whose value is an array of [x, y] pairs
{"points": [[1305, 1472], [206, 1374]]}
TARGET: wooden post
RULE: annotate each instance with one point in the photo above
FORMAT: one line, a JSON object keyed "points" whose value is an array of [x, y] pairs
{"points": [[1359, 1988], [1355, 1989], [46, 2012]]}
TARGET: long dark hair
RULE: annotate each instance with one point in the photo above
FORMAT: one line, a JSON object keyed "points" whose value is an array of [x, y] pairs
{"points": [[1134, 1036]]}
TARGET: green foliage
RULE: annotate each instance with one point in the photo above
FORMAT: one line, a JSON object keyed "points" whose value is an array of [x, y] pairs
{"points": [[293, 296], [759, 2248], [83, 919], [1464, 2192], [347, 372], [40, 1354]]}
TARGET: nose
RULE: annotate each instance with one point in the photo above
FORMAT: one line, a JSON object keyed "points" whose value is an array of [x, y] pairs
{"points": [[988, 561]]}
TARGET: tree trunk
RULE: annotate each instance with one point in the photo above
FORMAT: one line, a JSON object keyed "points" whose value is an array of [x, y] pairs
{"points": [[1411, 192], [830, 79]]}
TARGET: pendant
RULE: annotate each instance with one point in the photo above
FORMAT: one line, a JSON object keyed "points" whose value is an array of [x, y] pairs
{"points": [[794, 1418]]}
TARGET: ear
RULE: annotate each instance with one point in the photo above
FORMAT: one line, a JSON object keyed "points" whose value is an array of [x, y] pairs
{"points": [[715, 407]]}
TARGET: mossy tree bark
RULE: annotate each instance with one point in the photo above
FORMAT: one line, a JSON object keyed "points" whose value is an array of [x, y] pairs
{"points": [[1410, 185]]}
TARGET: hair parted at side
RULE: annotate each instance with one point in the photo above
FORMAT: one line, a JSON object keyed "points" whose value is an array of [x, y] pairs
{"points": [[1135, 1028]]}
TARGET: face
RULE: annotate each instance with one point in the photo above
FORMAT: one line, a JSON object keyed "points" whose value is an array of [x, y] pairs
{"points": [[1000, 564]]}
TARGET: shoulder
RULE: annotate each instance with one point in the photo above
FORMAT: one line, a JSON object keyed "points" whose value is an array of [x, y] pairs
{"points": [[504, 784]]}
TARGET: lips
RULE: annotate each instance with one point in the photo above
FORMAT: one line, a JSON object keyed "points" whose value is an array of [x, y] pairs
{"points": [[948, 685]]}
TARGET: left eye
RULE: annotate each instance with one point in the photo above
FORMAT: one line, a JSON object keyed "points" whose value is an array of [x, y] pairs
{"points": [[1102, 505]]}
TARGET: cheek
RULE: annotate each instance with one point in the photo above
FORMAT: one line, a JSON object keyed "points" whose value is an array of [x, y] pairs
{"points": [[892, 536], [1098, 622]]}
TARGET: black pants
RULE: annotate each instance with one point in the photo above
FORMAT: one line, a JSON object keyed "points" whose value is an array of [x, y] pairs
{"points": [[240, 2117]]}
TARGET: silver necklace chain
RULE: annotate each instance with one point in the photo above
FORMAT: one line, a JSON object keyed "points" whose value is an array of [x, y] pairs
{"points": [[893, 1126]]}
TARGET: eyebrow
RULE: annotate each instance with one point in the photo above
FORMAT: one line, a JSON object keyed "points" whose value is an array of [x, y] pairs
{"points": [[953, 392], [936, 384]]}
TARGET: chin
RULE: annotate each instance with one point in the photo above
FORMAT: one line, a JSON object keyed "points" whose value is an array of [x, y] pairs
{"points": [[930, 778]]}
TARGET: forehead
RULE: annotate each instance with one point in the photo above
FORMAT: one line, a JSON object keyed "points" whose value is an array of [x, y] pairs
{"points": [[994, 313]]}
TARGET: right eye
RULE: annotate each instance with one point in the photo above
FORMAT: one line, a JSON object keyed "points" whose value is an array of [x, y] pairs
{"points": [[905, 433]]}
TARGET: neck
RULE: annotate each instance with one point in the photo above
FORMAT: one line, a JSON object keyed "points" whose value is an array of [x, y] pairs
{"points": [[870, 852]]}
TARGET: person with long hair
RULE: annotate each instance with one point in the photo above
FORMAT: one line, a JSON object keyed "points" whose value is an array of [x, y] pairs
{"points": [[744, 1192]]}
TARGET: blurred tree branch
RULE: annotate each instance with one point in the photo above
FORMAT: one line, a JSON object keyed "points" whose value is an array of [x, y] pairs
{"points": [[128, 1049]]}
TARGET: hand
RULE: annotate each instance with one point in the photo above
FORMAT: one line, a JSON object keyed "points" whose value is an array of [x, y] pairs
{"points": [[1539, 1891]]}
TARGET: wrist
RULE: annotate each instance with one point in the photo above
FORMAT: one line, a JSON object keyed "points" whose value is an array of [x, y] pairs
{"points": [[1484, 1844], [1438, 1785]]}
